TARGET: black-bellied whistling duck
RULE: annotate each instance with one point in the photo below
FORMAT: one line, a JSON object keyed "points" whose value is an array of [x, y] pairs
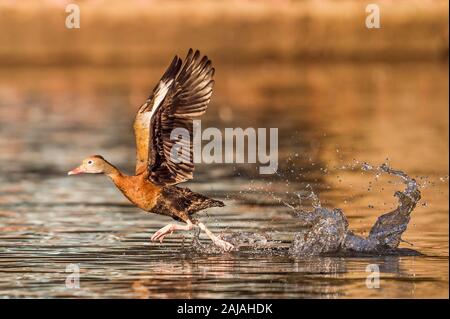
{"points": [[182, 94]]}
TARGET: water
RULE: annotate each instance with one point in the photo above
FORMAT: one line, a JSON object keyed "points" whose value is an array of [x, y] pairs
{"points": [[331, 118]]}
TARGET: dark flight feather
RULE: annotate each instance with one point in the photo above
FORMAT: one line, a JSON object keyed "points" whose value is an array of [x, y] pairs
{"points": [[189, 93]]}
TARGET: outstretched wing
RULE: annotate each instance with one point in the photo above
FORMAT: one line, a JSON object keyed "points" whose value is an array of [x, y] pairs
{"points": [[147, 110], [188, 94]]}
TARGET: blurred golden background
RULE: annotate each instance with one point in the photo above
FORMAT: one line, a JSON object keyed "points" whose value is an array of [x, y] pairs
{"points": [[140, 32], [338, 92]]}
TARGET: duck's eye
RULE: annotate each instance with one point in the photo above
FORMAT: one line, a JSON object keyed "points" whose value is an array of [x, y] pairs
{"points": [[90, 162]]}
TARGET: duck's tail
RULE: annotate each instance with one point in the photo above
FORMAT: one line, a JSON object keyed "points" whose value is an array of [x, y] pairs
{"points": [[200, 202], [214, 203]]}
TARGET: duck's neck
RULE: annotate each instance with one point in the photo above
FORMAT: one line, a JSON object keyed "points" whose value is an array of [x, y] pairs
{"points": [[112, 172]]}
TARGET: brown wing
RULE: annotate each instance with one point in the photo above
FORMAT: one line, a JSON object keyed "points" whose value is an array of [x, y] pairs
{"points": [[143, 117], [187, 98]]}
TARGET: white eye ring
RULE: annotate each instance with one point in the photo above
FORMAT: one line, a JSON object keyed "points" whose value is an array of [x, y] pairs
{"points": [[90, 162]]}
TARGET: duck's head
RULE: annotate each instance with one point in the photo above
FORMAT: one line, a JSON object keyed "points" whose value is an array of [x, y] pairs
{"points": [[95, 164]]}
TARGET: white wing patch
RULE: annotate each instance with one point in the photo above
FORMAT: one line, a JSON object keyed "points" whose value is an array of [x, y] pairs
{"points": [[160, 95]]}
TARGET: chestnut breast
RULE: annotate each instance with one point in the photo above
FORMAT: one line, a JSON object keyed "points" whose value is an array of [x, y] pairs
{"points": [[139, 190]]}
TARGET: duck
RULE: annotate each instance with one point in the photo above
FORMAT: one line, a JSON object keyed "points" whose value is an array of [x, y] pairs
{"points": [[181, 95]]}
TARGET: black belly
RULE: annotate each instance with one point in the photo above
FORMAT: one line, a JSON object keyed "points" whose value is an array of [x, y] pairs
{"points": [[180, 203]]}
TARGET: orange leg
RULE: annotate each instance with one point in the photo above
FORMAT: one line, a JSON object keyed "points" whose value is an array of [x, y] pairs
{"points": [[216, 240], [169, 229]]}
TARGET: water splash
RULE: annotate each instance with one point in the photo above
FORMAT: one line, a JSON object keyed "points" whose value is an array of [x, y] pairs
{"points": [[244, 241], [328, 229], [324, 233]]}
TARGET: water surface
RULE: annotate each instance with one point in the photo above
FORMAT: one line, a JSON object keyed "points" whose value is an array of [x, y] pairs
{"points": [[329, 117]]}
